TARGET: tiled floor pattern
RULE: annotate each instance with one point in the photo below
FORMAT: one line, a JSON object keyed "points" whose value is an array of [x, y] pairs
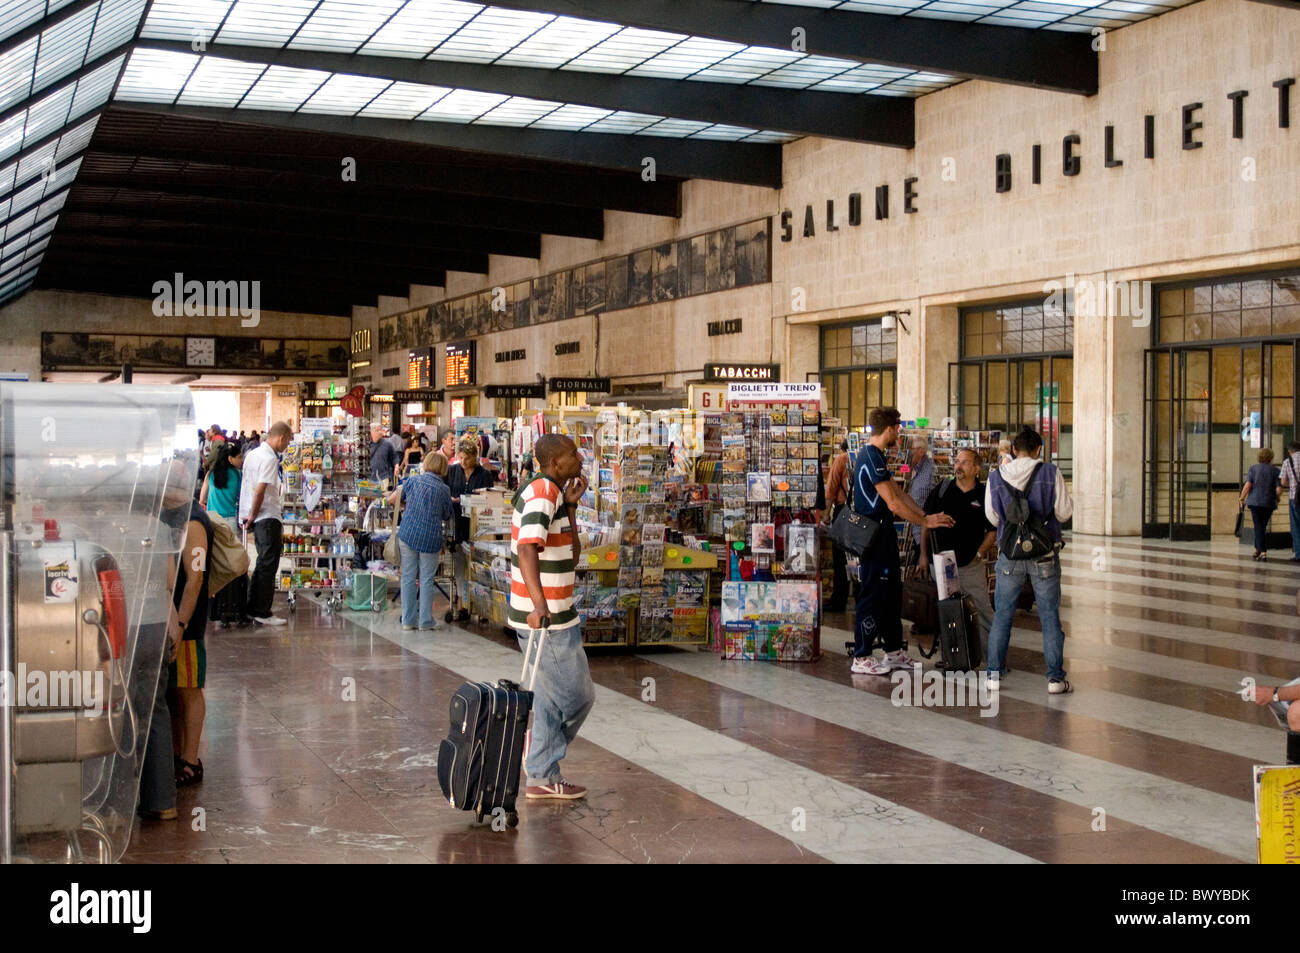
{"points": [[321, 741]]}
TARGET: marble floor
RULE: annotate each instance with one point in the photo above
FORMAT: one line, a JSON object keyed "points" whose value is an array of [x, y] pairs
{"points": [[321, 740]]}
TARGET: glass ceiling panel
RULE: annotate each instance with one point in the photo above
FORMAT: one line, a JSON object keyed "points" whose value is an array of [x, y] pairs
{"points": [[18, 14], [219, 82], [184, 19], [463, 105], [345, 95], [343, 25], [265, 22], [624, 50], [558, 42], [518, 111], [284, 88], [572, 117], [62, 47], [117, 22], [16, 72], [492, 33], [404, 101], [155, 76], [420, 26]]}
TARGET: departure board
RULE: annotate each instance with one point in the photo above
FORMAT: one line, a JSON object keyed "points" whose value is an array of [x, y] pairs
{"points": [[460, 364], [419, 368]]}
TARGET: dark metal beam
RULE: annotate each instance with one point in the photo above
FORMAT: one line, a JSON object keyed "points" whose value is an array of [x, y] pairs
{"points": [[1047, 59], [742, 163], [275, 280], [264, 264], [254, 203], [884, 120], [276, 248], [468, 174], [301, 300], [136, 217], [304, 183]]}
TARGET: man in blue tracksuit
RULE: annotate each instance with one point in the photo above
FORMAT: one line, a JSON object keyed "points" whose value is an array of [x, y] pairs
{"points": [[1044, 487], [880, 592]]}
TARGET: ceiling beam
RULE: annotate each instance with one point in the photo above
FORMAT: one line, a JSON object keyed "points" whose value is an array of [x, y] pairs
{"points": [[306, 186], [125, 130], [129, 217], [1046, 59], [742, 163], [275, 248], [254, 203], [884, 120]]}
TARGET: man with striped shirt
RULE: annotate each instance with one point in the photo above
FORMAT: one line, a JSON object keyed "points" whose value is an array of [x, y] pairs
{"points": [[543, 555]]}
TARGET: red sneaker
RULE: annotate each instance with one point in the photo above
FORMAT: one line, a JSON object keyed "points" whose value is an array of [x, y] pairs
{"points": [[560, 791]]}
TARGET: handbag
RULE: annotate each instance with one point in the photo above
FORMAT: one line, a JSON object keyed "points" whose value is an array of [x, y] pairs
{"points": [[851, 531], [393, 552], [227, 559]]}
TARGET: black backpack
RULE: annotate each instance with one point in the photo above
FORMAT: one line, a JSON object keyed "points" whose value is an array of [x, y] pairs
{"points": [[1024, 535]]}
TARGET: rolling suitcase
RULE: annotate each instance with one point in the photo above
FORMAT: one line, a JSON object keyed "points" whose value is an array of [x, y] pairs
{"points": [[959, 639], [919, 601], [227, 606], [480, 760]]}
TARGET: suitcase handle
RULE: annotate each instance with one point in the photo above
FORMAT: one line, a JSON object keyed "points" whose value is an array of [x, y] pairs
{"points": [[536, 656]]}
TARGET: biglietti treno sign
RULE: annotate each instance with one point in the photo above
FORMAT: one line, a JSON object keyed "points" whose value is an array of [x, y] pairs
{"points": [[1116, 142]]}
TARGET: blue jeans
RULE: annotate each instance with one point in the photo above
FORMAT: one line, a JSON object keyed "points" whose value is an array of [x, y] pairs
{"points": [[564, 696], [423, 565], [1045, 576], [1295, 530]]}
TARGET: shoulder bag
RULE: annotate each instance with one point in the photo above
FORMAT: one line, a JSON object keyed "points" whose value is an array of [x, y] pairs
{"points": [[392, 551], [851, 531]]}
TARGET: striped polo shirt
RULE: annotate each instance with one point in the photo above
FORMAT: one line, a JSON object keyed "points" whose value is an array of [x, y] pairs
{"points": [[541, 518]]}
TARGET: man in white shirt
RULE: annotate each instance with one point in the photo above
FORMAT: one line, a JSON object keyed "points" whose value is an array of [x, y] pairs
{"points": [[259, 509]]}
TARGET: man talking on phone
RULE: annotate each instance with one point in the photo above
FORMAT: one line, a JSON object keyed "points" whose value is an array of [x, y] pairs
{"points": [[544, 549]]}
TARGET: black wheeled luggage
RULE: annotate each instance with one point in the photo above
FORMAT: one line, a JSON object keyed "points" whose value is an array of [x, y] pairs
{"points": [[227, 607], [959, 634], [480, 760]]}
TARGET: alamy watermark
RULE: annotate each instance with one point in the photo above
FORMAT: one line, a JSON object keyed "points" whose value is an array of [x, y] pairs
{"points": [[60, 689], [213, 299], [935, 689], [1102, 298]]}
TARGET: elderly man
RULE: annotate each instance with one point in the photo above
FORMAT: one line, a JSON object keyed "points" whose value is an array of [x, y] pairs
{"points": [[383, 456], [922, 471]]}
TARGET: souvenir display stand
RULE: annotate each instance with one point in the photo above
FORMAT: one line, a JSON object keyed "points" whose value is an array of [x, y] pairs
{"points": [[321, 473], [768, 476]]}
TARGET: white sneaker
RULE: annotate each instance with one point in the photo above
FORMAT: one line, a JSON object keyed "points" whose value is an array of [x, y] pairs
{"points": [[869, 665], [269, 620], [900, 660], [992, 683], [430, 628], [407, 628], [1063, 687]]}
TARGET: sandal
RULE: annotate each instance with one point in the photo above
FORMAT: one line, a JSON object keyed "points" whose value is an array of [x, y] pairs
{"points": [[188, 774]]}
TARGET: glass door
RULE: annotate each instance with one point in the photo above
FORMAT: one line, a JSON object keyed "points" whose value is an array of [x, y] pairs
{"points": [[1177, 429]]}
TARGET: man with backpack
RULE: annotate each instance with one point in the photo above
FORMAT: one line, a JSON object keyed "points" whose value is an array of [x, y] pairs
{"points": [[1027, 501], [971, 540]]}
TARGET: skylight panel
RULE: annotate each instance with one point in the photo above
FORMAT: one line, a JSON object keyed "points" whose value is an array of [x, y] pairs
{"points": [[404, 100], [572, 117], [47, 116], [345, 95], [689, 56], [419, 27], [674, 128], [344, 25], [490, 34], [220, 82], [186, 20], [155, 76], [16, 73], [52, 205], [18, 14], [283, 88], [265, 22], [558, 42], [624, 122], [624, 50], [463, 105], [116, 25], [518, 111], [63, 46]]}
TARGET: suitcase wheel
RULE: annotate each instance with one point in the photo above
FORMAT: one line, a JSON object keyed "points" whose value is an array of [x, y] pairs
{"points": [[447, 616], [512, 819]]}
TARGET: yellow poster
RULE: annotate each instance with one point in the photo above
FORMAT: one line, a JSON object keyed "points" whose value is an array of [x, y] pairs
{"points": [[1277, 800]]}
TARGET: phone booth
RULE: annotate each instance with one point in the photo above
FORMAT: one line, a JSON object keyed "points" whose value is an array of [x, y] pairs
{"points": [[95, 487]]}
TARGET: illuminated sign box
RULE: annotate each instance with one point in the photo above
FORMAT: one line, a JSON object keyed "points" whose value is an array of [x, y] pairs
{"points": [[719, 371], [460, 364], [419, 368]]}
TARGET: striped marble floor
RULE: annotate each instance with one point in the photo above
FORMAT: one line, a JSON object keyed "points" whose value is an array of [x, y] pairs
{"points": [[1148, 761]]}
